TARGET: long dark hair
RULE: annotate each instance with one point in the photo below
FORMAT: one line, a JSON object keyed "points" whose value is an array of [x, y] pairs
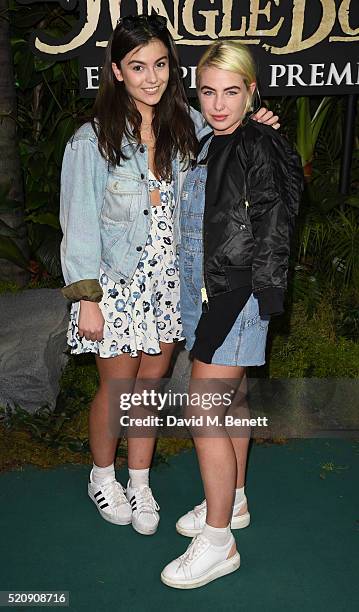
{"points": [[115, 113]]}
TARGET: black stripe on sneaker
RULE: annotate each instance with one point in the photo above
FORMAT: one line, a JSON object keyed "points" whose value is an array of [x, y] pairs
{"points": [[100, 500], [98, 493], [104, 506], [132, 498]]}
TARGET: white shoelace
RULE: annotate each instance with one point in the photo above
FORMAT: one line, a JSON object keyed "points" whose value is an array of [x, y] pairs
{"points": [[114, 493], [145, 501], [193, 551]]}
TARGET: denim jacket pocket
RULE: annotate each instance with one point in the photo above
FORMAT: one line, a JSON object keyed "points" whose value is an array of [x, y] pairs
{"points": [[122, 199]]}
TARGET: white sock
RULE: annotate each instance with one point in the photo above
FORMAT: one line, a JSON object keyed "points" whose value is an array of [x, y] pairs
{"points": [[218, 536], [239, 497], [139, 478], [103, 474]]}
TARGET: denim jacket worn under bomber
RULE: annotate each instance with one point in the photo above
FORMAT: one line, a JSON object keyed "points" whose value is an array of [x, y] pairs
{"points": [[105, 211]]}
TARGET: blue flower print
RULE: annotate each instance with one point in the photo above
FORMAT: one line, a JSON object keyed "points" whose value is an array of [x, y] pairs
{"points": [[113, 292], [114, 346], [120, 305]]}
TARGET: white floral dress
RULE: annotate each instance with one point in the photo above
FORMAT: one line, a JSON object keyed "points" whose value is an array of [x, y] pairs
{"points": [[147, 311]]}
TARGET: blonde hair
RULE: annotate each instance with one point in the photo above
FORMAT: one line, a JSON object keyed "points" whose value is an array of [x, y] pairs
{"points": [[233, 56]]}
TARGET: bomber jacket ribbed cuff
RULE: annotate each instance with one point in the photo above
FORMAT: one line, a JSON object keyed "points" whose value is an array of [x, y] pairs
{"points": [[271, 301], [88, 289]]}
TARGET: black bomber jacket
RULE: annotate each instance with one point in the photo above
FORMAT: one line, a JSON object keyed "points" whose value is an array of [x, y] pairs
{"points": [[253, 191]]}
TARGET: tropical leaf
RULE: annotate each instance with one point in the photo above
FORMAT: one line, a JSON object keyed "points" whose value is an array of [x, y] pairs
{"points": [[343, 249], [24, 66], [36, 199], [308, 128], [48, 252], [45, 218], [353, 201], [307, 288], [6, 230], [11, 252], [64, 131]]}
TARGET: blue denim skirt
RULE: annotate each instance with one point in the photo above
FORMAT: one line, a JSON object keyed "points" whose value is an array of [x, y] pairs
{"points": [[245, 345]]}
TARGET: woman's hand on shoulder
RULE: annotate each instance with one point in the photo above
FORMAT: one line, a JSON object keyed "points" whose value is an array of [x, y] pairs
{"points": [[91, 321], [267, 117]]}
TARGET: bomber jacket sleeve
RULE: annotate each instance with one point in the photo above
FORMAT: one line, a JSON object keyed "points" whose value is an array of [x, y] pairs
{"points": [[83, 182], [272, 223]]}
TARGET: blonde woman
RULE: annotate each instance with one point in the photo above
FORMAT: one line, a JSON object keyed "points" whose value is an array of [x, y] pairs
{"points": [[237, 214]]}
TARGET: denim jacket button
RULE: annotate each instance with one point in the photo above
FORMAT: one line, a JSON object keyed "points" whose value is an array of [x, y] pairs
{"points": [[142, 149], [139, 248], [145, 212], [142, 176], [122, 281]]}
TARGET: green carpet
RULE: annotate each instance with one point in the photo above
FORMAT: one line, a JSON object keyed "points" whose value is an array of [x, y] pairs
{"points": [[300, 552]]}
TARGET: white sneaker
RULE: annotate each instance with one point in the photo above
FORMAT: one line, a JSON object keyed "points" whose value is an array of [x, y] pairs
{"points": [[201, 563], [145, 517], [110, 501], [192, 523]]}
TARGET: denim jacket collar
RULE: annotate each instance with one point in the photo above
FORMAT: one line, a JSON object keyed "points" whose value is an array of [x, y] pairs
{"points": [[204, 150]]}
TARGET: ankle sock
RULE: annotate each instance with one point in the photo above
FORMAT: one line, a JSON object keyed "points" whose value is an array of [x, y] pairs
{"points": [[139, 478], [103, 474], [218, 536], [239, 497]]}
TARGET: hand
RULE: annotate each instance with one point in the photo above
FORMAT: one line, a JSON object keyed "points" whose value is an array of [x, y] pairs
{"points": [[267, 117], [91, 321]]}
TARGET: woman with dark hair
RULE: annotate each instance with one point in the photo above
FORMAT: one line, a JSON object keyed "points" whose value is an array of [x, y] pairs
{"points": [[120, 188]]}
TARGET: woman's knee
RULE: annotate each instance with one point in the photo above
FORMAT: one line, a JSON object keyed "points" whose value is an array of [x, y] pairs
{"points": [[153, 368]]}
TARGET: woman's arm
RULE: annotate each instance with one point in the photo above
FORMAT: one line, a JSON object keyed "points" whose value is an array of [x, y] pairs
{"points": [[274, 187], [83, 181]]}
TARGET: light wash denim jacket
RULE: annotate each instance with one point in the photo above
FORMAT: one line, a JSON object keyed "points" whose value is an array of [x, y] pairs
{"points": [[105, 211]]}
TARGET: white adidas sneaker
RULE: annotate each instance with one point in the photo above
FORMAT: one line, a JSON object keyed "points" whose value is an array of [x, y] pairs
{"points": [[110, 500], [201, 563], [145, 517], [192, 523]]}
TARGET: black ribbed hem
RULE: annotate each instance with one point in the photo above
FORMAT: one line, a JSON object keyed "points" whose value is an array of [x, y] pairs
{"points": [[201, 352], [271, 300]]}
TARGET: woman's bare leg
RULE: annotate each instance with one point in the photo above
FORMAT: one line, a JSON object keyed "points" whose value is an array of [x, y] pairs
{"points": [[240, 439], [153, 368], [102, 443], [216, 455]]}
